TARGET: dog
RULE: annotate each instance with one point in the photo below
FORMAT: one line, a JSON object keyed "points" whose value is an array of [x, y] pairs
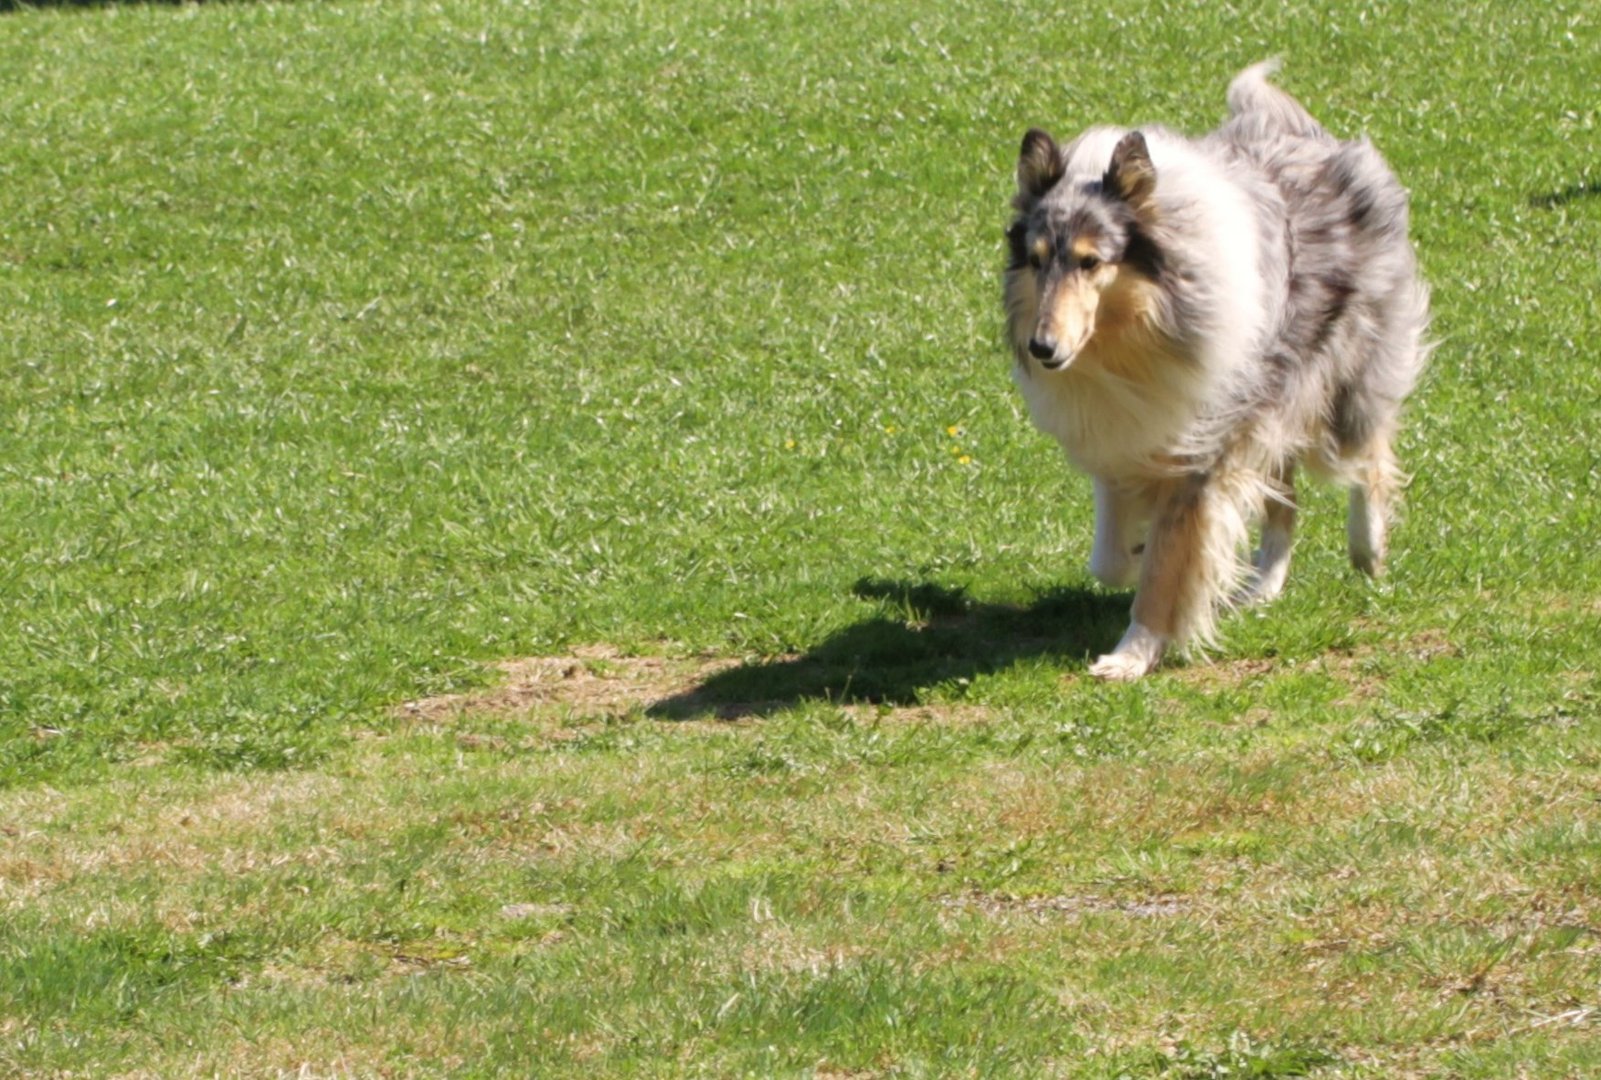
{"points": [[1192, 319]]}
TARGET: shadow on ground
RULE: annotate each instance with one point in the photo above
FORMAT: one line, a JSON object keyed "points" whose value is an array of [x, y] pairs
{"points": [[924, 636], [1588, 189], [22, 5]]}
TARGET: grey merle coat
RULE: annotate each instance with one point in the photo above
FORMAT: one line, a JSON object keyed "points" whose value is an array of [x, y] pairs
{"points": [[1191, 320]]}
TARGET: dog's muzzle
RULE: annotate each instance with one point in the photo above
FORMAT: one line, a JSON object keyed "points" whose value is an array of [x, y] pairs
{"points": [[1045, 353]]}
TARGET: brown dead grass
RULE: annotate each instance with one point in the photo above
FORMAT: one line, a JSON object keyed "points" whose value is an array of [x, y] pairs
{"points": [[602, 682], [781, 949], [998, 905], [182, 833], [596, 680], [952, 715], [286, 1057], [1353, 667]]}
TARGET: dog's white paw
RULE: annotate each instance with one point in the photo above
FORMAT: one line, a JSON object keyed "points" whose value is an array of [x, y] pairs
{"points": [[1270, 566], [1266, 582], [1120, 667], [1369, 559], [1138, 652], [1365, 531]]}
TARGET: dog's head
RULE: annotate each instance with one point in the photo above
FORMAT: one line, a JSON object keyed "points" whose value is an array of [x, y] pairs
{"points": [[1082, 259]]}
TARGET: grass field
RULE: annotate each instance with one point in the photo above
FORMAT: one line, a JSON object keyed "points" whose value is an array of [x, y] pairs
{"points": [[519, 555]]}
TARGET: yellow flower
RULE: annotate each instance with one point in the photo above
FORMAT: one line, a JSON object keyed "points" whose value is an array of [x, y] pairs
{"points": [[964, 460], [954, 430], [789, 444]]}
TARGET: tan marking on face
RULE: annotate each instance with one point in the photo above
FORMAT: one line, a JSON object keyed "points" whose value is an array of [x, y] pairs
{"points": [[1068, 314], [1084, 248], [1042, 250], [1127, 298]]}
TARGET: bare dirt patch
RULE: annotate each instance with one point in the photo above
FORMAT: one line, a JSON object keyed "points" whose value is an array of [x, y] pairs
{"points": [[518, 911], [781, 949], [944, 715], [1352, 666], [997, 905], [595, 680], [601, 682], [1225, 674]]}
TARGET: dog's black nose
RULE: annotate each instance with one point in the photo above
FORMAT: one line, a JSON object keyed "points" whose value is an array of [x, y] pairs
{"points": [[1041, 350]]}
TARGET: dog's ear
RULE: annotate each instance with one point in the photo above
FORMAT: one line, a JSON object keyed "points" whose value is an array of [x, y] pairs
{"points": [[1131, 176], [1039, 165]]}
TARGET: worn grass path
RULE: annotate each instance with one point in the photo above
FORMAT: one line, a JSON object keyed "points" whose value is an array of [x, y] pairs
{"points": [[519, 556]]}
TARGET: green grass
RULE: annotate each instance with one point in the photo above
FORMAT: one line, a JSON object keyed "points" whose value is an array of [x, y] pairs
{"points": [[350, 348]]}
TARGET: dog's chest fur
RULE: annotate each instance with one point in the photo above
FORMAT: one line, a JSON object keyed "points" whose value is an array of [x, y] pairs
{"points": [[1120, 411]]}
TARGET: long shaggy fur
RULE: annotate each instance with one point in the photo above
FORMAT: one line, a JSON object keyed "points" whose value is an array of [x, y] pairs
{"points": [[1192, 319]]}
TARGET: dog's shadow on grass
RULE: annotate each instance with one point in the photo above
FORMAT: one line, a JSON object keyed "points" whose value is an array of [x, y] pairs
{"points": [[924, 635], [7, 6], [1585, 189]]}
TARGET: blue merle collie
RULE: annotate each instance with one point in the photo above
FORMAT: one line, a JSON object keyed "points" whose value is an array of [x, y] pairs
{"points": [[1192, 319]]}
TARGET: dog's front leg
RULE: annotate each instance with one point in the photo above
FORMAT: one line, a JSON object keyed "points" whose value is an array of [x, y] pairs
{"points": [[1140, 650], [1173, 599], [1115, 559]]}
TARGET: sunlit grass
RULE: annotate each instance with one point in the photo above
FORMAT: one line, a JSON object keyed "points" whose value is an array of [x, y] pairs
{"points": [[351, 348]]}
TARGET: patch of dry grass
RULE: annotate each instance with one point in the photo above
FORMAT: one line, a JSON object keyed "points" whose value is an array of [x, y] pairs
{"points": [[1311, 897], [597, 680]]}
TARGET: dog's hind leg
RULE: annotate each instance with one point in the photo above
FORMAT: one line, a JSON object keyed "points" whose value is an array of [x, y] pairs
{"points": [[1272, 562], [1372, 496]]}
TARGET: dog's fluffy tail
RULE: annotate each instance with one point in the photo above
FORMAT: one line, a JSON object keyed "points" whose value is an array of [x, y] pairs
{"points": [[1254, 100]]}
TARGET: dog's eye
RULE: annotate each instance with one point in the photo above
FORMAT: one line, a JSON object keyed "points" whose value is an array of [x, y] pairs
{"points": [[1088, 262], [1034, 260]]}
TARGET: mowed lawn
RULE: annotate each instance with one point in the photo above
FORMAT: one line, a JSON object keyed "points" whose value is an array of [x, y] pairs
{"points": [[519, 555]]}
